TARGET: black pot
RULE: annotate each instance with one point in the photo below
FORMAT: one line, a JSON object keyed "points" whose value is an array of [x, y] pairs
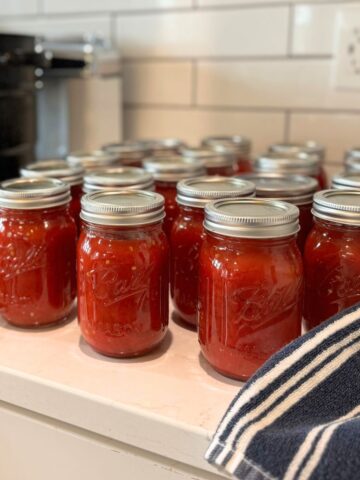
{"points": [[18, 63]]}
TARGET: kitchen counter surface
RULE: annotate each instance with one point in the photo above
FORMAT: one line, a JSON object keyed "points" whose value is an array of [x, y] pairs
{"points": [[167, 403]]}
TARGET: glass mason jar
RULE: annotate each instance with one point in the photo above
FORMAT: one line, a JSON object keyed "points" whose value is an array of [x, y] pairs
{"points": [[92, 160], [129, 153], [352, 160], [123, 279], [290, 150], [251, 283], [167, 172], [237, 145], [60, 169], [123, 178], [332, 256], [303, 164], [38, 252], [295, 189], [187, 236], [219, 162], [163, 146]]}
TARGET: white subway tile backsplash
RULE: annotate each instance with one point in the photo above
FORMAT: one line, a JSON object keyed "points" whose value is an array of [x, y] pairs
{"points": [[337, 131], [59, 26], [55, 6], [244, 32], [18, 7], [192, 125], [272, 83], [314, 29], [158, 82]]}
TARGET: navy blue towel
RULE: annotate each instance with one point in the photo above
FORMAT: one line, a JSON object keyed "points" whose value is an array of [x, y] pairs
{"points": [[298, 417]]}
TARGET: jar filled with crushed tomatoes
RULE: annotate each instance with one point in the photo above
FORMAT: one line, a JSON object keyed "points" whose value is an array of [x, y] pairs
{"points": [[291, 150], [163, 146], [352, 160], [295, 189], [37, 252], [92, 160], [130, 153], [167, 172], [251, 283], [124, 178], [187, 236], [238, 145], [332, 256], [301, 164], [219, 162], [60, 169], [123, 275]]}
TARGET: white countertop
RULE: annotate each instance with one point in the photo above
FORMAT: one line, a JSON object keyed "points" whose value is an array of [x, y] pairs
{"points": [[168, 402]]}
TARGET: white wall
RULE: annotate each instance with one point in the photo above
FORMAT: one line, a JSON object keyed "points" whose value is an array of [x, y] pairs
{"points": [[195, 67]]}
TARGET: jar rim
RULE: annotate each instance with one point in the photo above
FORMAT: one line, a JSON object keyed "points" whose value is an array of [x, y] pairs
{"points": [[33, 193], [130, 149], [55, 168], [294, 148], [91, 159], [233, 143], [252, 218], [211, 157], [122, 207], [301, 164], [118, 177], [173, 168], [198, 191], [339, 206]]}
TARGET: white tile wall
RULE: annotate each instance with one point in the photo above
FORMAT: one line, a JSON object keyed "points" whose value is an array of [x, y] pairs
{"points": [[195, 67]]}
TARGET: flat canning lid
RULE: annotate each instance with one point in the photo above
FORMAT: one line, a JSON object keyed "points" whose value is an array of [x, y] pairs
{"points": [[174, 168], [293, 149], [339, 206], [301, 164], [346, 181], [352, 159], [130, 178], [56, 168], [233, 143], [122, 208], [296, 189], [92, 160], [160, 146], [252, 218], [34, 193], [197, 192], [211, 158]]}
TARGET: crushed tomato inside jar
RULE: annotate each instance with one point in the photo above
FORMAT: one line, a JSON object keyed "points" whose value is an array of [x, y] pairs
{"points": [[167, 172], [37, 252], [251, 283], [188, 233], [332, 256], [123, 272]]}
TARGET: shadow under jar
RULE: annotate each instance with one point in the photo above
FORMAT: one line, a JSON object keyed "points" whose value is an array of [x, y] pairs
{"points": [[251, 283], [291, 150], [37, 252], [122, 265], [188, 233], [295, 189], [332, 256], [130, 153], [92, 160], [237, 145], [167, 172], [118, 178], [61, 170], [219, 162]]}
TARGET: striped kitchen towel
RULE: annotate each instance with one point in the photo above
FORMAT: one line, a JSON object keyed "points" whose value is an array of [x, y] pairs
{"points": [[298, 417]]}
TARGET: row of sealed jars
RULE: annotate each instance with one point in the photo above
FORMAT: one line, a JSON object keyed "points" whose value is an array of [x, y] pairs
{"points": [[245, 276]]}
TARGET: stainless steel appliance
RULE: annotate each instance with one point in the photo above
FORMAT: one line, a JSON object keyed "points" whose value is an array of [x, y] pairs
{"points": [[79, 100]]}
